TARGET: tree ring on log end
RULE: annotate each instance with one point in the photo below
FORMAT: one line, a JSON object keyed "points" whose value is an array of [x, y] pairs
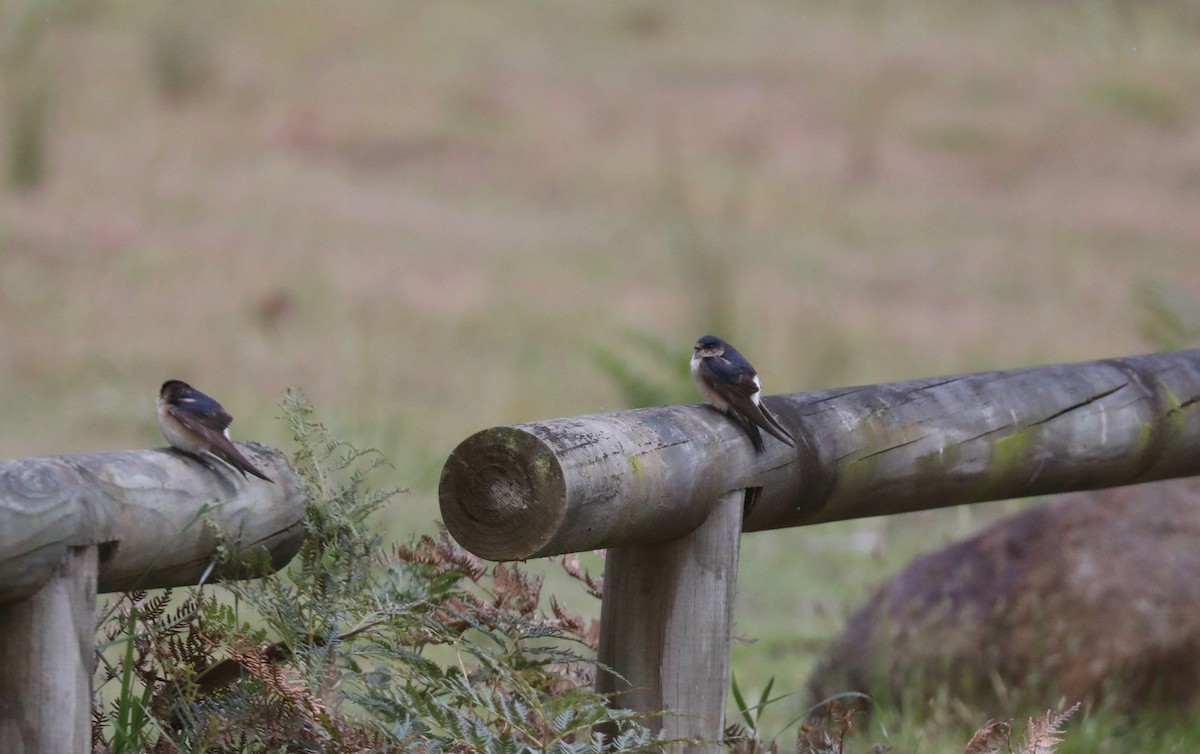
{"points": [[493, 485], [33, 487]]}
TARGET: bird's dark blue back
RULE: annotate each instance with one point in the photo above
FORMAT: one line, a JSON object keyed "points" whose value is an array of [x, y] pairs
{"points": [[199, 403], [733, 356]]}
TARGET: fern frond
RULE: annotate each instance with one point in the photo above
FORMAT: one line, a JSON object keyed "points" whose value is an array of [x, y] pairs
{"points": [[1042, 734], [992, 737]]}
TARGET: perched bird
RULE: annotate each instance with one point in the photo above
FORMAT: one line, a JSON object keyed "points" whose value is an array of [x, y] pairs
{"points": [[729, 383], [195, 423]]}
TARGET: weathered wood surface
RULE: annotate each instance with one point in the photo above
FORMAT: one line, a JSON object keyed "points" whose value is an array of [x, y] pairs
{"points": [[47, 652], [652, 475], [666, 623], [156, 516]]}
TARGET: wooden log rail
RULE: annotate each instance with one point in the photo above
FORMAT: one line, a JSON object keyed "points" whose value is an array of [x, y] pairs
{"points": [[633, 480], [73, 526]]}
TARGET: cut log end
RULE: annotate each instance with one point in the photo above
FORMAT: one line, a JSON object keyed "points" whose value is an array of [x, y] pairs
{"points": [[502, 494]]}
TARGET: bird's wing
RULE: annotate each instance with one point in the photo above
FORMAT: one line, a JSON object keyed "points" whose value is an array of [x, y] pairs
{"points": [[729, 379], [750, 428], [209, 425], [198, 408], [738, 385], [760, 416], [775, 423], [226, 451]]}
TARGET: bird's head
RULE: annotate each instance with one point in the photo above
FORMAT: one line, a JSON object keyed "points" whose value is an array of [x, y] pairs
{"points": [[707, 346], [173, 390]]}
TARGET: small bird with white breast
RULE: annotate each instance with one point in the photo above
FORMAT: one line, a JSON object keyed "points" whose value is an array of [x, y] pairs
{"points": [[730, 384], [196, 424]]}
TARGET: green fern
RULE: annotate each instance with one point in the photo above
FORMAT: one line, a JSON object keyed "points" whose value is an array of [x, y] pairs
{"points": [[362, 646], [640, 387], [1169, 317]]}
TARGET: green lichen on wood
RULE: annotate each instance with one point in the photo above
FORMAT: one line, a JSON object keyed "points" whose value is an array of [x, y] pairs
{"points": [[506, 437], [878, 443], [1168, 425], [858, 471], [1170, 401], [1147, 437], [1009, 451], [544, 466], [1008, 457], [636, 466], [936, 461], [516, 445], [1174, 412]]}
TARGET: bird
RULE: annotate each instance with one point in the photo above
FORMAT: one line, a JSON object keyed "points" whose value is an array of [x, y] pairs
{"points": [[196, 424], [727, 381]]}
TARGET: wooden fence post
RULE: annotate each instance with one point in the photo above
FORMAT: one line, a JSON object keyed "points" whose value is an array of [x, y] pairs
{"points": [[47, 657], [72, 526], [642, 484], [666, 624]]}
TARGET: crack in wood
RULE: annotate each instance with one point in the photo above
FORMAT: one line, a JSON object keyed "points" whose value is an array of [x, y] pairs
{"points": [[1185, 404], [677, 443], [1085, 402], [933, 385], [838, 394], [992, 431], [888, 449]]}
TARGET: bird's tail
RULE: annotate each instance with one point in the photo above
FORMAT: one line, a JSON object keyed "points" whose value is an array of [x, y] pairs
{"points": [[751, 429], [238, 461]]}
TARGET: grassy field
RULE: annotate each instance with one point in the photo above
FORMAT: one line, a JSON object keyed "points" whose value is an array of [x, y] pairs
{"points": [[431, 217]]}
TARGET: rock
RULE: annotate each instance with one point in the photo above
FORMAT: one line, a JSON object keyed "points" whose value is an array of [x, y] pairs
{"points": [[1089, 597]]}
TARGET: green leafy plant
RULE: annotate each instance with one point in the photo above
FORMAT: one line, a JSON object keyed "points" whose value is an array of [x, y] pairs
{"points": [[824, 734], [639, 387], [1169, 317], [132, 709], [358, 645]]}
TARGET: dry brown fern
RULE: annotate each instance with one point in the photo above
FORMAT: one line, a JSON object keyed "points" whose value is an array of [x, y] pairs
{"points": [[992, 738], [742, 740], [1042, 733], [827, 735], [593, 584]]}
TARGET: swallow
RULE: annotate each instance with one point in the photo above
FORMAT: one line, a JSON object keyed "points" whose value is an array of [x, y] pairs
{"points": [[730, 384], [196, 424]]}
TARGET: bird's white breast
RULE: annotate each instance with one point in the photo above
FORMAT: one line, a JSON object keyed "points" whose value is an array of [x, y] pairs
{"points": [[176, 434], [706, 391]]}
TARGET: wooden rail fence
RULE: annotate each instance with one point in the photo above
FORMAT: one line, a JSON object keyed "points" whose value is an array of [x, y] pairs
{"points": [[663, 490], [73, 526]]}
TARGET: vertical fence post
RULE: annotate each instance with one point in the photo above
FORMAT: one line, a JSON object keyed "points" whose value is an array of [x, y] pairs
{"points": [[47, 651], [666, 624]]}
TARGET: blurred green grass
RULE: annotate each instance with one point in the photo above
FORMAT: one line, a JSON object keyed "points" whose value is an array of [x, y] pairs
{"points": [[432, 216]]}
